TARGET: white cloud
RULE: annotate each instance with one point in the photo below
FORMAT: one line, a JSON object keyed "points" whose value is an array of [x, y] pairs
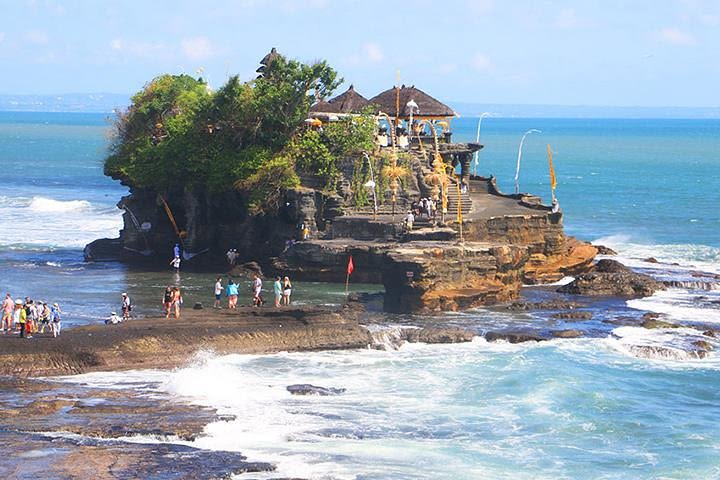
{"points": [[197, 48], [37, 37], [481, 62], [2, 36], [373, 52], [676, 36]]}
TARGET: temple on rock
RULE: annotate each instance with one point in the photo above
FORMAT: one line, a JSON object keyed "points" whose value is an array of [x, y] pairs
{"points": [[377, 179]]}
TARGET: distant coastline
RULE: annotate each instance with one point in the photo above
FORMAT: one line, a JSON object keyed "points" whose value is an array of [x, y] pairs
{"points": [[108, 102]]}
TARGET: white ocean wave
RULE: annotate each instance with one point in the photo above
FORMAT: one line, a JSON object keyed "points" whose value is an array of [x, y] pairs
{"points": [[682, 305], [42, 222], [681, 256], [49, 205], [663, 344]]}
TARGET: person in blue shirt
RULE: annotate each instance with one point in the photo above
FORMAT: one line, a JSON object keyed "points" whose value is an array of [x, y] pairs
{"points": [[232, 294]]}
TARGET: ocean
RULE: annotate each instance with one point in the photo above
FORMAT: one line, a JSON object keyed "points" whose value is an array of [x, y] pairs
{"points": [[595, 407]]}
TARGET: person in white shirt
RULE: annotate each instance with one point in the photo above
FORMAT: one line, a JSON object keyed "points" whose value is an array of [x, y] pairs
{"points": [[218, 292], [257, 289]]}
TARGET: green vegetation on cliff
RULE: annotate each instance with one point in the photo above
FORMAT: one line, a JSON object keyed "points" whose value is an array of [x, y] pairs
{"points": [[248, 135]]}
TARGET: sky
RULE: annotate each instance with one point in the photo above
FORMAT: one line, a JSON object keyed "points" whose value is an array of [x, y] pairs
{"points": [[582, 52]]}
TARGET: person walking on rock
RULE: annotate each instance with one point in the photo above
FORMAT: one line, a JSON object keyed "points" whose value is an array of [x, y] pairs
{"points": [[20, 316], [168, 300], [232, 294], [277, 290], [287, 290], [126, 306], [55, 314], [218, 292], [257, 291], [7, 314], [177, 301]]}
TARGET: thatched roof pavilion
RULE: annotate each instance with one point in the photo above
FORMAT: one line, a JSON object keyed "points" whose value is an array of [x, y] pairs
{"points": [[428, 107], [348, 102], [267, 60]]}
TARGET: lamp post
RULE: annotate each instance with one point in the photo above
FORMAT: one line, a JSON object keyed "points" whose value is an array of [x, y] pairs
{"points": [[477, 140], [517, 170], [412, 106], [371, 184]]}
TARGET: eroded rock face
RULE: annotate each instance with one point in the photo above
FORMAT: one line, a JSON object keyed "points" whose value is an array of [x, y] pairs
{"points": [[35, 417], [611, 278], [438, 335]]}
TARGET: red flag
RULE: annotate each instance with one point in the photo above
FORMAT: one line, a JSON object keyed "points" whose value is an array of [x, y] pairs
{"points": [[351, 266]]}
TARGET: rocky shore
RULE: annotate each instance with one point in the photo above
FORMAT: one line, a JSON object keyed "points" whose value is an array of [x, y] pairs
{"points": [[156, 342]]}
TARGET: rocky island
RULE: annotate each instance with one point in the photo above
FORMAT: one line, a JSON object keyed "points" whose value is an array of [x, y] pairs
{"points": [[300, 184]]}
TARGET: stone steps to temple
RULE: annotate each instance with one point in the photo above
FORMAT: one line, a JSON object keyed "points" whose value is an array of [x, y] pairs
{"points": [[454, 197]]}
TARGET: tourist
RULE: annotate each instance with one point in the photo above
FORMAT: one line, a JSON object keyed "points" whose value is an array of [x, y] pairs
{"points": [[409, 220], [218, 292], [555, 206], [126, 306], [277, 290], [232, 256], [167, 300], [232, 294], [175, 263], [257, 290], [7, 314], [114, 319], [287, 291], [30, 316], [44, 314], [177, 301], [55, 313], [20, 316]]}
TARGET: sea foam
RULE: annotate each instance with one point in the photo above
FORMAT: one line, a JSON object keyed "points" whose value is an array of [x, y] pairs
{"points": [[30, 223]]}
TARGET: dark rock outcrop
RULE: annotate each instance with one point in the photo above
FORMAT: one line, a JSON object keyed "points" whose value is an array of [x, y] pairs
{"points": [[603, 250], [611, 278], [515, 336], [549, 305], [307, 389], [438, 335], [567, 334]]}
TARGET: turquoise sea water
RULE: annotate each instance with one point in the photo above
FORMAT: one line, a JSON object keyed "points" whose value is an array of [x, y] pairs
{"points": [[586, 408]]}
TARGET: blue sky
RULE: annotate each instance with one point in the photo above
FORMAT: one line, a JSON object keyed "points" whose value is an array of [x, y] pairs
{"points": [[634, 53]]}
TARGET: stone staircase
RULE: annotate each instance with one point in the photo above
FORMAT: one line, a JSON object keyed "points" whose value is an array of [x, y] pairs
{"points": [[455, 197]]}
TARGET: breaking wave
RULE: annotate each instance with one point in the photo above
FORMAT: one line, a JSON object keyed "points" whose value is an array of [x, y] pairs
{"points": [[42, 222]]}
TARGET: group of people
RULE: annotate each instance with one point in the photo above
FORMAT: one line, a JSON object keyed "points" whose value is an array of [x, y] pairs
{"points": [[125, 308], [29, 317], [282, 290], [424, 207], [172, 299]]}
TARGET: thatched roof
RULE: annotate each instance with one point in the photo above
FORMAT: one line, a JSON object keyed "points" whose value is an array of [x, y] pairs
{"points": [[427, 105], [348, 102], [267, 60]]}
